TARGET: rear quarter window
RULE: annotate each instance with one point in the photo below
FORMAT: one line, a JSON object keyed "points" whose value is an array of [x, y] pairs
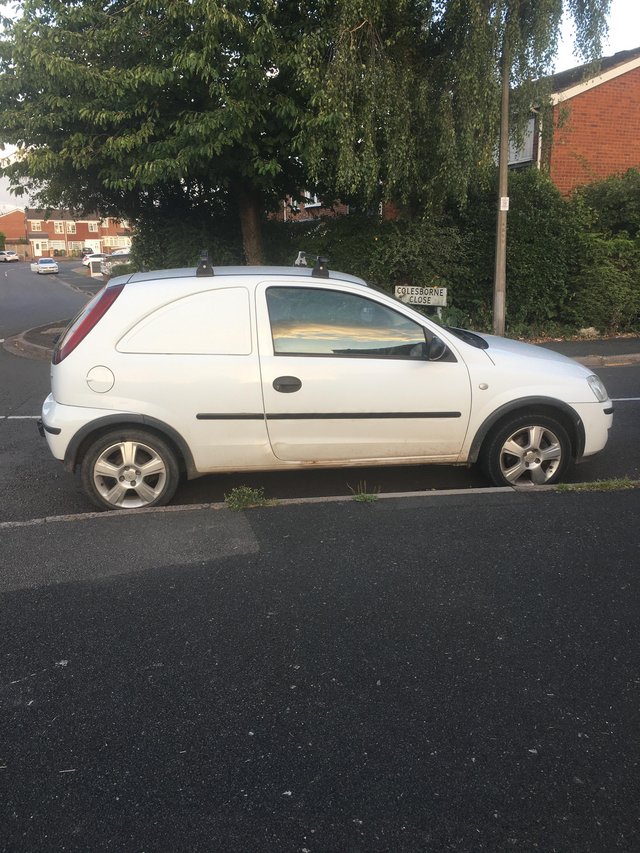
{"points": [[216, 322]]}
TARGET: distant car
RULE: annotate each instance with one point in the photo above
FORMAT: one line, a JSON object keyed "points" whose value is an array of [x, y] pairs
{"points": [[107, 265], [6, 256], [96, 256], [125, 251], [44, 265]]}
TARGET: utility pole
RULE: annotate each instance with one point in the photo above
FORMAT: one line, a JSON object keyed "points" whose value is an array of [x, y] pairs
{"points": [[500, 277]]}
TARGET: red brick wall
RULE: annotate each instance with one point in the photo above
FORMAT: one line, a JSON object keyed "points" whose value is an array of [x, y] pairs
{"points": [[12, 225], [597, 133]]}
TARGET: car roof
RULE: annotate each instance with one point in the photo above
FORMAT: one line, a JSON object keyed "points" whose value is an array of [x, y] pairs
{"points": [[259, 272]]}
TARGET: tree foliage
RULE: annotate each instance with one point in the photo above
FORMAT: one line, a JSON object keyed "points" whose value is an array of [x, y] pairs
{"points": [[406, 105], [207, 108], [131, 105], [615, 203]]}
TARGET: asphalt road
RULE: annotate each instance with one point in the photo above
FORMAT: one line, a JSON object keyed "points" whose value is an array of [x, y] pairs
{"points": [[419, 674]]}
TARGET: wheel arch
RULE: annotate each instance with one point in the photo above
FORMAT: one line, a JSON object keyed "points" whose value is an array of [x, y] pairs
{"points": [[548, 406], [87, 434]]}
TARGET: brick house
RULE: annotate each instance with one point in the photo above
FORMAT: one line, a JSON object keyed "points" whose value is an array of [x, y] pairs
{"points": [[12, 225], [58, 233], [596, 124]]}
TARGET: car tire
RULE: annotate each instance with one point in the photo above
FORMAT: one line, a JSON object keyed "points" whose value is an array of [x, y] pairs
{"points": [[526, 450], [129, 469]]}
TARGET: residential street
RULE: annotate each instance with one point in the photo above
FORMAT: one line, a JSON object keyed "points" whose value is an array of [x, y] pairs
{"points": [[435, 671], [432, 673], [275, 656]]}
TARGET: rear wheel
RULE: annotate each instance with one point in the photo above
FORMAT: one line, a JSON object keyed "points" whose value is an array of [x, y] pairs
{"points": [[526, 450], [129, 469]]}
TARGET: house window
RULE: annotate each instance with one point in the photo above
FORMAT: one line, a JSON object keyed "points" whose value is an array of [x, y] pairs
{"points": [[310, 200], [71, 227], [36, 224], [93, 226], [58, 227]]}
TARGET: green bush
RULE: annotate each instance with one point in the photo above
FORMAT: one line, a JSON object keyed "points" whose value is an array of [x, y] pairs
{"points": [[614, 204], [606, 287], [543, 231]]}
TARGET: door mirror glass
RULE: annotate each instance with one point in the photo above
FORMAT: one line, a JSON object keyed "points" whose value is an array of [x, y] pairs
{"points": [[437, 349]]}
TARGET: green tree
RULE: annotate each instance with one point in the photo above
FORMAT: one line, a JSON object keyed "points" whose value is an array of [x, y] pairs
{"points": [[133, 106], [407, 105], [205, 108]]}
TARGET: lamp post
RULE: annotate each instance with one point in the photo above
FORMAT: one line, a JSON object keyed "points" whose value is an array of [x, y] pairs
{"points": [[500, 276]]}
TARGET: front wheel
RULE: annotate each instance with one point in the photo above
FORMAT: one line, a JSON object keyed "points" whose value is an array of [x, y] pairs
{"points": [[526, 450], [129, 469]]}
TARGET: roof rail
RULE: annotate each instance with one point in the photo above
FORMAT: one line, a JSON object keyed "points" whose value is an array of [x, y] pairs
{"points": [[320, 270], [204, 268]]}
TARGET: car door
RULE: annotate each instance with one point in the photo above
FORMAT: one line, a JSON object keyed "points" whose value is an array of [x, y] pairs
{"points": [[345, 377]]}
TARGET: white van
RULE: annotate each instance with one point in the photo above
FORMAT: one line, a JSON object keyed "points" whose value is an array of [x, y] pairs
{"points": [[194, 371]]}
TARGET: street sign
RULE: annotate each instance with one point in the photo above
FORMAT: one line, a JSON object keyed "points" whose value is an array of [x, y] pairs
{"points": [[421, 295], [95, 269]]}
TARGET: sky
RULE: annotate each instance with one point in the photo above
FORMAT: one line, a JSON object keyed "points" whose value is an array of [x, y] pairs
{"points": [[624, 34]]}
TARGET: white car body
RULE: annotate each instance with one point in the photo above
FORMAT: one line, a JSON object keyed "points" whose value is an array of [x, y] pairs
{"points": [[120, 257], [8, 255], [193, 358], [44, 265], [95, 256]]}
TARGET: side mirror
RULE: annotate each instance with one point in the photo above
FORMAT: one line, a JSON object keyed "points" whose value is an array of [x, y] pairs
{"points": [[437, 349]]}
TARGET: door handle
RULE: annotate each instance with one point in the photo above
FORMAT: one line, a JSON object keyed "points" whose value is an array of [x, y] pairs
{"points": [[287, 384]]}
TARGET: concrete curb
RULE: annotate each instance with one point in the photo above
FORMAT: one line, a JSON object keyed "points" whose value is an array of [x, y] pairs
{"points": [[20, 346], [609, 360]]}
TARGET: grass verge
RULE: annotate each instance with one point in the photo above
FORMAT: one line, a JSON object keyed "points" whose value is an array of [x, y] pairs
{"points": [[599, 486]]}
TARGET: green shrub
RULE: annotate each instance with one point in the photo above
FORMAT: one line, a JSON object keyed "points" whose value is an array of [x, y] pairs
{"points": [[542, 243], [614, 204], [606, 287]]}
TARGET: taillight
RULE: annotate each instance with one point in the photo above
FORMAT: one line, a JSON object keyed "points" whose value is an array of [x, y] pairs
{"points": [[85, 321]]}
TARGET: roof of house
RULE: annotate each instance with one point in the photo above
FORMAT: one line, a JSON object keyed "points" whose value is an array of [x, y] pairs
{"points": [[567, 84], [49, 215]]}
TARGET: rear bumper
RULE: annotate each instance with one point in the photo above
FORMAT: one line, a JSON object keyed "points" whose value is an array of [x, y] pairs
{"points": [[60, 424]]}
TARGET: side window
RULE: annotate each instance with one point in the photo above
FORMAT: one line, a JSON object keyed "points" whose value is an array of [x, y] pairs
{"points": [[216, 322], [309, 321]]}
